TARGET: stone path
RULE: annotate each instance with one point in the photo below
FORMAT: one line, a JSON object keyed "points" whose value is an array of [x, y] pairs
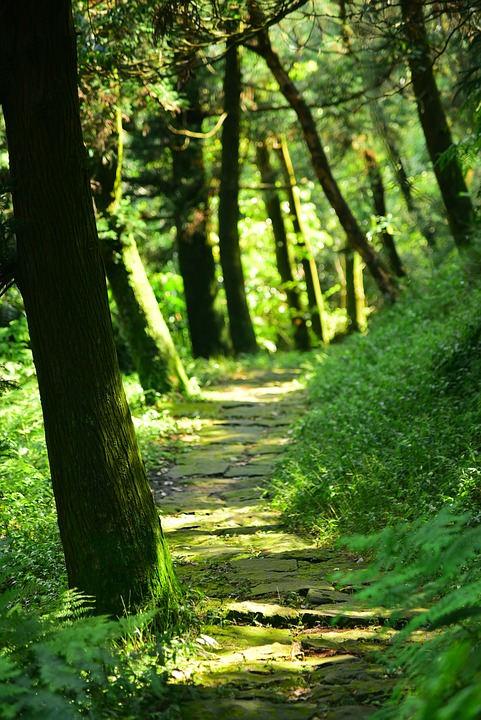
{"points": [[281, 639]]}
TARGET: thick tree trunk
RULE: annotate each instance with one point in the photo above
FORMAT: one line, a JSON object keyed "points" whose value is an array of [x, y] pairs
{"points": [[355, 236], [379, 202], [311, 274], [208, 331], [113, 542], [240, 325], [154, 355], [459, 208], [283, 255]]}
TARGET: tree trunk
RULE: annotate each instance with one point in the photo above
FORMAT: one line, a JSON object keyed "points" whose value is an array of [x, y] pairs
{"points": [[154, 355], [459, 208], [241, 330], [283, 255], [208, 331], [355, 236], [354, 290], [111, 534], [379, 202], [311, 274]]}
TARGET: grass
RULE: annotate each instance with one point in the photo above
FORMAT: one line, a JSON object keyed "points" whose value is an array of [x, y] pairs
{"points": [[392, 430], [389, 448]]}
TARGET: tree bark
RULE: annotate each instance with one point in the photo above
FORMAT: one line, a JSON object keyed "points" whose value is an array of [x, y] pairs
{"points": [[283, 255], [459, 208], [378, 195], [111, 533], [208, 331], [154, 354], [355, 236], [240, 324]]}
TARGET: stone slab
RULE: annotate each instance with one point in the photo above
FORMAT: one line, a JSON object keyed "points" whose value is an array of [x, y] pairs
{"points": [[258, 567], [249, 470], [282, 616], [351, 712], [240, 636], [285, 586], [269, 613], [198, 466], [231, 709], [317, 596]]}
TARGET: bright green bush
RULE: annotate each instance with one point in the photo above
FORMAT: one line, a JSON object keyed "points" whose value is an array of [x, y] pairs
{"points": [[31, 555]]}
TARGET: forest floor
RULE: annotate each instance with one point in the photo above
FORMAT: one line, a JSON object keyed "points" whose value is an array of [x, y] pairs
{"points": [[281, 639]]}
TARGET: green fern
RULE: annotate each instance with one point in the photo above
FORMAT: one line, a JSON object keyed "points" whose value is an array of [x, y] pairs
{"points": [[67, 664], [429, 574]]}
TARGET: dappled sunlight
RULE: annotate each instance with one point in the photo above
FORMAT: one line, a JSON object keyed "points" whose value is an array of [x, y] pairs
{"points": [[259, 586]]}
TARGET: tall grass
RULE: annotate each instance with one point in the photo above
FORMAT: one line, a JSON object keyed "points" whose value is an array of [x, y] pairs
{"points": [[391, 443], [392, 429]]}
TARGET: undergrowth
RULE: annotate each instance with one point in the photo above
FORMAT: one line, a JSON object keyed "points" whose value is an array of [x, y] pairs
{"points": [[56, 660], [428, 571], [62, 663], [392, 428], [390, 444]]}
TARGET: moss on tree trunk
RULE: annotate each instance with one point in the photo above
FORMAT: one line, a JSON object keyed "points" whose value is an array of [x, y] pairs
{"points": [[155, 357]]}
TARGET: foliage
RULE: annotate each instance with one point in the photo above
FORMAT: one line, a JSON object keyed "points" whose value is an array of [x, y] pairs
{"points": [[65, 664], [392, 426], [429, 569], [30, 551]]}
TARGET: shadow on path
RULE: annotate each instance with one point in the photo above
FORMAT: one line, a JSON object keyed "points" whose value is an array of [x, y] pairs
{"points": [[281, 640]]}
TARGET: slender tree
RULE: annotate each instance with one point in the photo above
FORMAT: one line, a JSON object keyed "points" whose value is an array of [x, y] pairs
{"points": [[282, 249], [208, 331], [458, 205], [154, 355], [311, 274], [112, 538], [379, 201], [240, 324], [384, 129], [356, 238], [350, 273], [370, 57]]}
